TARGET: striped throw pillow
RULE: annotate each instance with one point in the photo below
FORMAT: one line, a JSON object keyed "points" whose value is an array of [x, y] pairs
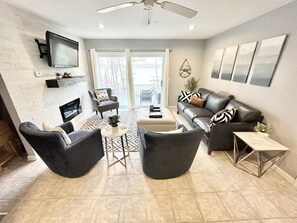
{"points": [[186, 96], [223, 116]]}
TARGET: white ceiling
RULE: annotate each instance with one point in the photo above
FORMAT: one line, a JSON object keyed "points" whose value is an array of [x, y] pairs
{"points": [[80, 17]]}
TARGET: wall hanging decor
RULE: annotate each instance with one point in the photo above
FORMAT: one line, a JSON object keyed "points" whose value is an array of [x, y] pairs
{"points": [[243, 63], [185, 69], [266, 60], [217, 63], [228, 62]]}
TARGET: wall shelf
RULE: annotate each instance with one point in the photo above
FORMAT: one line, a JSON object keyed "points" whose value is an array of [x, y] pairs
{"points": [[57, 83]]}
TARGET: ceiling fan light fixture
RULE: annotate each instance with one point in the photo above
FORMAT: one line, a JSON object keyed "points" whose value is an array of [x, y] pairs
{"points": [[101, 26], [191, 27], [116, 7]]}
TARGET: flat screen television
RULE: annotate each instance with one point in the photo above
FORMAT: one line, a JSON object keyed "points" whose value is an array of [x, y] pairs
{"points": [[62, 52]]}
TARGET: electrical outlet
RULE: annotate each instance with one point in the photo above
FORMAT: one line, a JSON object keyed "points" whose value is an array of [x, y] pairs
{"points": [[37, 73]]}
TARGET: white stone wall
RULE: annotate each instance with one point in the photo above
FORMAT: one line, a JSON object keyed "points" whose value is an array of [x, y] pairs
{"points": [[19, 57]]}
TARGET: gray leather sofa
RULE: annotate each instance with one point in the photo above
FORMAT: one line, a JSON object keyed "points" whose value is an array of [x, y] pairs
{"points": [[165, 155], [219, 136]]}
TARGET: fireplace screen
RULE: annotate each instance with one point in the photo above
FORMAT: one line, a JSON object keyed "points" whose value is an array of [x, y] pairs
{"points": [[70, 110]]}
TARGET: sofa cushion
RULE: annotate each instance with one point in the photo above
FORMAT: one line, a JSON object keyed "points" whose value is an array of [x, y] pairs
{"points": [[204, 92], [197, 112], [181, 106], [202, 122], [222, 116], [216, 102], [244, 113]]}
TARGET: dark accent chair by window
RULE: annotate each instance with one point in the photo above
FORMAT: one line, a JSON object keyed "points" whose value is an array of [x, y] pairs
{"points": [[103, 106], [73, 160], [147, 95], [165, 155]]}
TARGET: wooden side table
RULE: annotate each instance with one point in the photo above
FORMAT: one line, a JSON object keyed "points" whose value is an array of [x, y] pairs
{"points": [[108, 133], [259, 143]]}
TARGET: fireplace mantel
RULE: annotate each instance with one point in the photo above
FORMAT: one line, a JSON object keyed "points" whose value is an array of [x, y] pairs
{"points": [[57, 83]]}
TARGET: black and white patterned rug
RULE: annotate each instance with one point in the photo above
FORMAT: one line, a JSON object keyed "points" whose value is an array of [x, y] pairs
{"points": [[127, 118]]}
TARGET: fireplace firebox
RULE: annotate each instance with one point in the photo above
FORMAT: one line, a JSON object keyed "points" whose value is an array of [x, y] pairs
{"points": [[70, 110]]}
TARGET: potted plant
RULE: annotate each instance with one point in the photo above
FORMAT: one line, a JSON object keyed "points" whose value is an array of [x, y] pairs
{"points": [[191, 84], [113, 121], [263, 128]]}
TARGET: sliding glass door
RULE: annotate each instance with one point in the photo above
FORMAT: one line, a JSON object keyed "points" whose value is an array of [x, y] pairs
{"points": [[147, 72], [112, 74]]}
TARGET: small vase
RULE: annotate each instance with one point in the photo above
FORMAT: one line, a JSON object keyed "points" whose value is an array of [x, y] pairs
{"points": [[263, 134], [115, 129]]}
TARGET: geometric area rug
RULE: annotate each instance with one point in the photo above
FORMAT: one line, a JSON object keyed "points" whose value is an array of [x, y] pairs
{"points": [[127, 118]]}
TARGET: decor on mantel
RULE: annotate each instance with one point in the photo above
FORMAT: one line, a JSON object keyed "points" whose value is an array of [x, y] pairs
{"points": [[266, 60], [217, 63], [228, 62], [244, 59], [185, 69]]}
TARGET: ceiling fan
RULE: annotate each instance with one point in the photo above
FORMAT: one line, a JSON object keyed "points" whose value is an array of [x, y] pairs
{"points": [[148, 7]]}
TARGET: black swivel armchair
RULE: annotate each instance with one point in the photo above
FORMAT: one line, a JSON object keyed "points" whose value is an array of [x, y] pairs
{"points": [[103, 106], [165, 155], [72, 160]]}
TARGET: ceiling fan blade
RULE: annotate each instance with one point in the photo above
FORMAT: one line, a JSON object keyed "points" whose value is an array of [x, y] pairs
{"points": [[178, 9], [116, 7]]}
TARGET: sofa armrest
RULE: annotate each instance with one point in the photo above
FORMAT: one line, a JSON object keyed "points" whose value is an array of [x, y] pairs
{"points": [[114, 98], [67, 127], [221, 135]]}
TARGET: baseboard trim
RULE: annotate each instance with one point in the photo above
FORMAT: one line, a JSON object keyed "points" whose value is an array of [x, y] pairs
{"points": [[31, 158], [285, 175]]}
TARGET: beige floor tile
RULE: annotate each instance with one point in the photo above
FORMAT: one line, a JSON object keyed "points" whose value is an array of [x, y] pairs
{"points": [[159, 208], [116, 185], [236, 206], [185, 208], [247, 221], [211, 207], [68, 187], [201, 183], [293, 220], [221, 182], [107, 210], [43, 188], [137, 185], [92, 187], [16, 188], [53, 210], [284, 201], [262, 207], [25, 211], [79, 211], [278, 220], [156, 186], [133, 209], [181, 184]]}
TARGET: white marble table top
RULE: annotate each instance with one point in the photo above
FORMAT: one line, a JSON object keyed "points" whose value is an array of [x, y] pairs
{"points": [[109, 133], [260, 142]]}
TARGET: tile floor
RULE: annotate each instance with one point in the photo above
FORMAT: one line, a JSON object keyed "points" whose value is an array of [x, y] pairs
{"points": [[212, 191]]}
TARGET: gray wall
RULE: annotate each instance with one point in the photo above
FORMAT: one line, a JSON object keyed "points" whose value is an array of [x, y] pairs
{"points": [[193, 50], [277, 102]]}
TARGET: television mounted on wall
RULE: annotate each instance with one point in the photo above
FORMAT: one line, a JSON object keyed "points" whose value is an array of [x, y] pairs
{"points": [[61, 51]]}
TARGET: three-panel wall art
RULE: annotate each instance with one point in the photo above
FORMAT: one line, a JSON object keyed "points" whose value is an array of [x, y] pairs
{"points": [[236, 63]]}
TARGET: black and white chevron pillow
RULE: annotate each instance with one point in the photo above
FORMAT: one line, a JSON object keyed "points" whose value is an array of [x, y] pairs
{"points": [[185, 96], [222, 116]]}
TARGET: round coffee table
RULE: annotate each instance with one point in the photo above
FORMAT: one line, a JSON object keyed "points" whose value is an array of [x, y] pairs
{"points": [[109, 133]]}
